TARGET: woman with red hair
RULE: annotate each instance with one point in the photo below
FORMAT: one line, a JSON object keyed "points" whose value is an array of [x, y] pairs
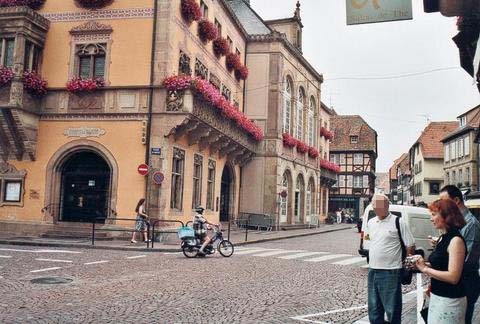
{"points": [[447, 301]]}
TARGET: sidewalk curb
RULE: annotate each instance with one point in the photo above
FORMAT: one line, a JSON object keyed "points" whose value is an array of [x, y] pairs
{"points": [[167, 250]]}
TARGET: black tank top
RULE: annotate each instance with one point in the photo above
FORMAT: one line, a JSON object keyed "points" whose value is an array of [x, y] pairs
{"points": [[439, 261]]}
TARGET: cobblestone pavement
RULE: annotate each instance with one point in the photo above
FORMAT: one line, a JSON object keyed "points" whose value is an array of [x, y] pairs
{"points": [[276, 282]]}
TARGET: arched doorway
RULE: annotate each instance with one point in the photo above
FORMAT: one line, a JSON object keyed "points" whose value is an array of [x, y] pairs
{"points": [[85, 187], [284, 205], [227, 192]]}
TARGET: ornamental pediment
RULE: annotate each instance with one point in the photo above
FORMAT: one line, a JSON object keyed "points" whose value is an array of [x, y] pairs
{"points": [[91, 27]]}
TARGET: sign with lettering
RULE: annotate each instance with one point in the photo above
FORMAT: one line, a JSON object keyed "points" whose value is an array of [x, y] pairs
{"points": [[373, 11], [84, 132]]}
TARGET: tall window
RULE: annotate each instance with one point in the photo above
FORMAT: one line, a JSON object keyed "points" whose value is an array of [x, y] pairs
{"points": [[284, 199], [358, 158], [357, 181], [341, 181], [197, 180], [310, 198], [365, 181], [466, 142], [299, 195], [460, 177], [300, 112], [7, 49], [287, 105], [91, 60], [178, 165], [447, 152], [211, 184], [454, 177], [311, 122], [447, 178], [460, 148], [204, 9], [467, 176], [219, 27], [32, 56], [454, 151], [230, 42], [324, 202]]}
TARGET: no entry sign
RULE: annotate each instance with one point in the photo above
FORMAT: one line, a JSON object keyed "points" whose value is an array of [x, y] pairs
{"points": [[142, 169]]}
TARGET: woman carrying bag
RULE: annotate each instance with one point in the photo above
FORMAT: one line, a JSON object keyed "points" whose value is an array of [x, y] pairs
{"points": [[141, 221], [447, 300]]}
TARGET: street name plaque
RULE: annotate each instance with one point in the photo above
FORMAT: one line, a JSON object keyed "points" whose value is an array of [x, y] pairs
{"points": [[374, 11]]}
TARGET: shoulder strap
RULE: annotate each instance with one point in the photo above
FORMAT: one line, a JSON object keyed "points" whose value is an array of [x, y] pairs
{"points": [[402, 244]]}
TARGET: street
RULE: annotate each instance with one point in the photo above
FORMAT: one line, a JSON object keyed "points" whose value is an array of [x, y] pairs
{"points": [[287, 281]]}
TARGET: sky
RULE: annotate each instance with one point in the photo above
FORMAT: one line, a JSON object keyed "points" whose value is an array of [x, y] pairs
{"points": [[398, 107]]}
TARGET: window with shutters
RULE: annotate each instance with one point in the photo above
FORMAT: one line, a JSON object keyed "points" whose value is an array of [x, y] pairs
{"points": [[91, 60], [454, 150], [460, 147]]}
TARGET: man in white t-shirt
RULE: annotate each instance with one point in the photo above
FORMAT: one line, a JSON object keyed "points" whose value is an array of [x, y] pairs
{"points": [[385, 254]]}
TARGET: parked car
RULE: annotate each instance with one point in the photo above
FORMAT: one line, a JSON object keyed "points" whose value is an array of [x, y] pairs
{"points": [[417, 220]]}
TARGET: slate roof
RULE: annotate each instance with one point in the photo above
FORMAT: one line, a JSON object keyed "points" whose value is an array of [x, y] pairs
{"points": [[396, 163], [430, 140], [251, 22], [352, 125]]}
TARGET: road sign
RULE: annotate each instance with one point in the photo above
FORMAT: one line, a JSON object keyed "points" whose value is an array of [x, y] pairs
{"points": [[142, 169], [156, 151], [158, 178], [373, 11]]}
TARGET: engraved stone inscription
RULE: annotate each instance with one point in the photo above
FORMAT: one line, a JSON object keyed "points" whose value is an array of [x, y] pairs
{"points": [[84, 132]]}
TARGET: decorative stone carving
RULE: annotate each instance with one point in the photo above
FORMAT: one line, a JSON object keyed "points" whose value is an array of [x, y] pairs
{"points": [[178, 154], [10, 170], [201, 70], [175, 100], [91, 27], [211, 164], [215, 81], [86, 102], [197, 159], [226, 93], [194, 137], [84, 132], [132, 13], [127, 100]]}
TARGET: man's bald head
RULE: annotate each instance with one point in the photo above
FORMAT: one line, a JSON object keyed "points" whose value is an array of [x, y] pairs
{"points": [[381, 205]]}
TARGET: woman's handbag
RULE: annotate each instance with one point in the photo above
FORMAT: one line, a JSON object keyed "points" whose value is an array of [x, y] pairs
{"points": [[406, 274]]}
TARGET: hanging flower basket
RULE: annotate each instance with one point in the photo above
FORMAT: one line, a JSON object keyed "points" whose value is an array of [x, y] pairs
{"points": [[34, 84], [33, 4], [77, 85], [221, 47], [302, 147], [207, 31], [313, 152], [289, 140], [208, 93], [94, 4], [6, 75], [241, 73], [190, 11], [233, 62]]}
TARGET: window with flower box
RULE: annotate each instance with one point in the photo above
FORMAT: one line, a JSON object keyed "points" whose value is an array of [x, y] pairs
{"points": [[32, 56], [178, 166], [287, 105], [91, 60], [7, 50], [184, 64], [300, 111], [197, 180], [211, 184], [201, 70], [226, 93]]}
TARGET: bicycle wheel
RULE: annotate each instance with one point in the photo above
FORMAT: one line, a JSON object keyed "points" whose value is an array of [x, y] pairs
{"points": [[189, 252], [225, 248]]}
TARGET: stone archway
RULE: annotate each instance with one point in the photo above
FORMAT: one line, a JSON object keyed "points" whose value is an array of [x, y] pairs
{"points": [[61, 169], [227, 193]]}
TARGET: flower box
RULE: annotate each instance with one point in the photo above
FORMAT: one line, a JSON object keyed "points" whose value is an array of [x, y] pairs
{"points": [[233, 62], [207, 31], [94, 4], [6, 75], [326, 133], [77, 85], [34, 84], [209, 94], [302, 147], [289, 140], [330, 166], [221, 47], [241, 72], [313, 152], [33, 4], [190, 11]]}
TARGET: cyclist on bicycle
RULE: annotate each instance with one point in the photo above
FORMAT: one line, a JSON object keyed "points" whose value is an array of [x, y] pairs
{"points": [[200, 226]]}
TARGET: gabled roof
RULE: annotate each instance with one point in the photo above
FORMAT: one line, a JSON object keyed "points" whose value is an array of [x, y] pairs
{"points": [[396, 163], [473, 124], [345, 126], [404, 164], [430, 140]]}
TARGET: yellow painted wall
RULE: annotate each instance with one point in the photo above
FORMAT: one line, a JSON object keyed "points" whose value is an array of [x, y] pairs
{"points": [[122, 139], [131, 44]]}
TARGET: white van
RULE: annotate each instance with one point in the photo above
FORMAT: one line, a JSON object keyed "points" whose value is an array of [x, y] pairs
{"points": [[417, 220]]}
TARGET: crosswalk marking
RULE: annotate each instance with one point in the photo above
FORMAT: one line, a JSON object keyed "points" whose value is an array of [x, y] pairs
{"points": [[54, 260], [5, 256], [136, 257], [96, 262], [350, 261], [272, 253], [46, 269], [40, 251], [328, 257], [254, 251], [301, 255]]}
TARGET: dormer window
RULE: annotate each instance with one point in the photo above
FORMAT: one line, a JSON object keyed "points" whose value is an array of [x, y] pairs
{"points": [[463, 121], [354, 139]]}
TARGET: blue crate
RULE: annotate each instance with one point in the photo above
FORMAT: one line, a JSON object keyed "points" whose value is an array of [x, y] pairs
{"points": [[185, 232]]}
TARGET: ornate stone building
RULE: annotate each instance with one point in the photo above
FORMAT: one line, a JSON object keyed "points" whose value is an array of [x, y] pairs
{"points": [[284, 97], [72, 155]]}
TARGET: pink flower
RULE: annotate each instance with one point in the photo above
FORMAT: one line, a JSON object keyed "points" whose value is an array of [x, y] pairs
{"points": [[207, 31], [313, 152], [34, 84], [6, 75], [190, 11], [233, 62], [76, 85]]}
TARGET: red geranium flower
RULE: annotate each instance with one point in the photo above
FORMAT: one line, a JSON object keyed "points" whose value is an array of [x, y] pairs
{"points": [[241, 72], [6, 75], [302, 147], [34, 84], [289, 140], [221, 47], [207, 31], [76, 85], [190, 11], [233, 62], [313, 152]]}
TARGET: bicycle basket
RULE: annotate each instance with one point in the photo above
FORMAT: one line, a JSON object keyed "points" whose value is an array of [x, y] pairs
{"points": [[185, 232]]}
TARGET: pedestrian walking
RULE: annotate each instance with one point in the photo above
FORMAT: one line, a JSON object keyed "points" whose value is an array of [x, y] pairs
{"points": [[339, 216], [385, 265], [141, 221], [448, 303], [471, 235]]}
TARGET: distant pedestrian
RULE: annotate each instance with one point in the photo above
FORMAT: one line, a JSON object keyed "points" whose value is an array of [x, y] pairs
{"points": [[385, 262], [339, 216], [471, 235], [141, 221], [448, 303]]}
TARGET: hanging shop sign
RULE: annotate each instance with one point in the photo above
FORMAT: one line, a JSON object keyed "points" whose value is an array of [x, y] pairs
{"points": [[374, 11]]}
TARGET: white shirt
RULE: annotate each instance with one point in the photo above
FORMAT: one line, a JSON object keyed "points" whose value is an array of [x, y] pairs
{"points": [[385, 250]]}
